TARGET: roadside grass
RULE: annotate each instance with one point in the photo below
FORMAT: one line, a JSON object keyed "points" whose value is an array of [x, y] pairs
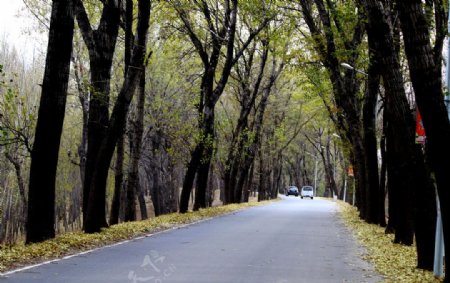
{"points": [[70, 243], [397, 263]]}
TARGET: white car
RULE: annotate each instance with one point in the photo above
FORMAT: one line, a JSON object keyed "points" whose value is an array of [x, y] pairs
{"points": [[307, 191]]}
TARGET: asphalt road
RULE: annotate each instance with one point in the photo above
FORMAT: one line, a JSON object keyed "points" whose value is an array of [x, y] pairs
{"points": [[292, 240]]}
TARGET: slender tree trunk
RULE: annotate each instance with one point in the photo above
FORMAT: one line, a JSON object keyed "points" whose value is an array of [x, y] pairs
{"points": [[401, 185], [262, 177], [20, 183], [360, 176], [392, 198], [118, 182], [424, 213], [44, 156], [84, 101], [370, 140], [383, 174], [205, 163], [329, 168], [118, 178], [189, 178], [137, 129], [248, 183]]}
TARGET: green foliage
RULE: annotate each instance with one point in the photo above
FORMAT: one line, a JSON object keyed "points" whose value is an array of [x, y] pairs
{"points": [[173, 94], [17, 113]]}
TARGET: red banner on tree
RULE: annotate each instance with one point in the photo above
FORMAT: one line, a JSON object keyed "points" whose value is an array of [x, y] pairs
{"points": [[420, 130]]}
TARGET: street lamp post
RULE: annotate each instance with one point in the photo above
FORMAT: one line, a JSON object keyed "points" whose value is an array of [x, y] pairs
{"points": [[315, 176], [315, 171]]}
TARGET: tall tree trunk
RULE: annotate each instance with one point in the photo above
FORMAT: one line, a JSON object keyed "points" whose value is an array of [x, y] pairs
{"points": [[84, 101], [96, 218], [221, 34], [118, 182], [205, 162], [262, 186], [391, 192], [189, 177], [383, 174], [426, 80], [155, 193], [248, 183], [20, 183], [360, 176], [424, 213], [118, 178], [374, 213], [101, 45], [137, 129], [139, 134], [345, 87], [247, 151], [329, 168], [405, 158], [44, 156], [240, 136]]}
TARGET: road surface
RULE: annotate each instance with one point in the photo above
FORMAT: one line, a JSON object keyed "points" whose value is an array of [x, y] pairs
{"points": [[292, 240]]}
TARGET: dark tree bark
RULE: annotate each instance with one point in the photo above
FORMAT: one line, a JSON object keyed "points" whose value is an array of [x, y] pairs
{"points": [[263, 177], [251, 147], [400, 141], [255, 145], [118, 177], [160, 173], [138, 148], [426, 80], [391, 192], [345, 87], [17, 163], [101, 45], [212, 86], [404, 157], [44, 156], [240, 136], [136, 133], [375, 211], [424, 213], [248, 184], [325, 156], [79, 72], [118, 183], [189, 177], [205, 162], [96, 215], [328, 164]]}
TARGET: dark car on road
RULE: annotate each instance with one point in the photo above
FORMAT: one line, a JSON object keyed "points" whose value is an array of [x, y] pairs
{"points": [[292, 190]]}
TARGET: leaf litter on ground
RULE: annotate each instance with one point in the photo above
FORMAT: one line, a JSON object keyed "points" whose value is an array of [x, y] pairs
{"points": [[395, 262]]}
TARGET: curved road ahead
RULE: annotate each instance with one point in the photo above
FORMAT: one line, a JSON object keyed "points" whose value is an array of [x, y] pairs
{"points": [[293, 241]]}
